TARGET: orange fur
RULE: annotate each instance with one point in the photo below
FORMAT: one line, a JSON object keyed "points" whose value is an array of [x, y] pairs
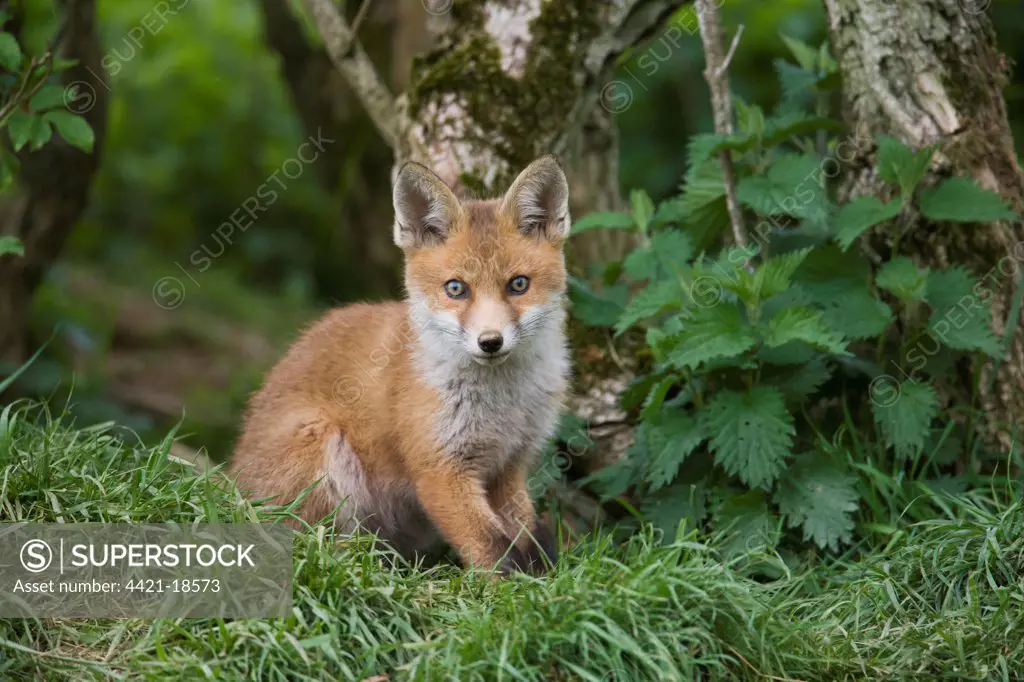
{"points": [[390, 406]]}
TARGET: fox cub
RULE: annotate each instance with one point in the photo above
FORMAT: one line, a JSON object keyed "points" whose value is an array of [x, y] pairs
{"points": [[422, 418]]}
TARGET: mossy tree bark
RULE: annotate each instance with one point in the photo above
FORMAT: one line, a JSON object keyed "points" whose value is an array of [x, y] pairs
{"points": [[929, 72], [53, 185], [508, 82]]}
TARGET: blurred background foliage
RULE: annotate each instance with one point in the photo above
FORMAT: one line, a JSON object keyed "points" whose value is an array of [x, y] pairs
{"points": [[201, 117]]}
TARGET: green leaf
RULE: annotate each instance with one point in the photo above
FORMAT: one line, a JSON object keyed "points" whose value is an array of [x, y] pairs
{"points": [[789, 354], [828, 64], [641, 264], [806, 56], [849, 305], [701, 206], [671, 435], [962, 316], [859, 215], [73, 128], [793, 185], [656, 397], [714, 333], [41, 134], [643, 208], [571, 427], [780, 128], [902, 166], [21, 127], [797, 86], [50, 96], [9, 166], [62, 64], [966, 330], [28, 128], [669, 251], [828, 262], [891, 155], [703, 146], [821, 496], [636, 391], [670, 506], [748, 524], [10, 53], [904, 279], [616, 478], [648, 302], [803, 324], [960, 200], [667, 214], [11, 245], [603, 220], [596, 309], [802, 380], [749, 117], [903, 413], [949, 287], [752, 433], [855, 312], [773, 277], [913, 171], [673, 249], [727, 273]]}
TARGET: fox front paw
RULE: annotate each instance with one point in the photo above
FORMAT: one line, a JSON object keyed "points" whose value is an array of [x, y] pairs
{"points": [[541, 550], [514, 561]]}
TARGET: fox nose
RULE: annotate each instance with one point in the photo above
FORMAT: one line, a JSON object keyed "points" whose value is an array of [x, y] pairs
{"points": [[490, 342]]}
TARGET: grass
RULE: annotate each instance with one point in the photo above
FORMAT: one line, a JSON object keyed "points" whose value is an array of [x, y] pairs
{"points": [[944, 599]]}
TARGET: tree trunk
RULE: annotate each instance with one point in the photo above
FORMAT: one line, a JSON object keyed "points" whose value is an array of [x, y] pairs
{"points": [[54, 185], [929, 72]]}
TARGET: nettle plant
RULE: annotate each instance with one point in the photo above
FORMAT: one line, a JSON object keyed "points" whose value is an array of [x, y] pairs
{"points": [[782, 389], [33, 103]]}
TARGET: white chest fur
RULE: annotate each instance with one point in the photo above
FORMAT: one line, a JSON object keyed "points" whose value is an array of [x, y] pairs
{"points": [[491, 415], [494, 414]]}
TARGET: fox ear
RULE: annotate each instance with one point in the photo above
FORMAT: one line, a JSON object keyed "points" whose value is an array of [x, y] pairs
{"points": [[425, 207], [538, 200]]}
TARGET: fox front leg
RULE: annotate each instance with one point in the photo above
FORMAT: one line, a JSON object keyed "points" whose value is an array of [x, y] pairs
{"points": [[510, 499], [457, 504]]}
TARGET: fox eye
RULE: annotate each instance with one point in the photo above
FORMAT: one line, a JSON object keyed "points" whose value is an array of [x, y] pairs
{"points": [[519, 284], [456, 288]]}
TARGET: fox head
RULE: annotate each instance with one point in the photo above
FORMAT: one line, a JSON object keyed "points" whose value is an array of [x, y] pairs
{"points": [[485, 279]]}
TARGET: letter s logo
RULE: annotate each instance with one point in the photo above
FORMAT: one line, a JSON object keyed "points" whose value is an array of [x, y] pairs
{"points": [[36, 556]]}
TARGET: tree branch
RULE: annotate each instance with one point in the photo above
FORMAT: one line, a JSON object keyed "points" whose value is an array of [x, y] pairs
{"points": [[45, 61], [388, 114], [724, 68], [716, 74], [633, 22], [364, 7]]}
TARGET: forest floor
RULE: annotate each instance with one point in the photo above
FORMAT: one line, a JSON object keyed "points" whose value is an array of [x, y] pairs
{"points": [[944, 599], [122, 353]]}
